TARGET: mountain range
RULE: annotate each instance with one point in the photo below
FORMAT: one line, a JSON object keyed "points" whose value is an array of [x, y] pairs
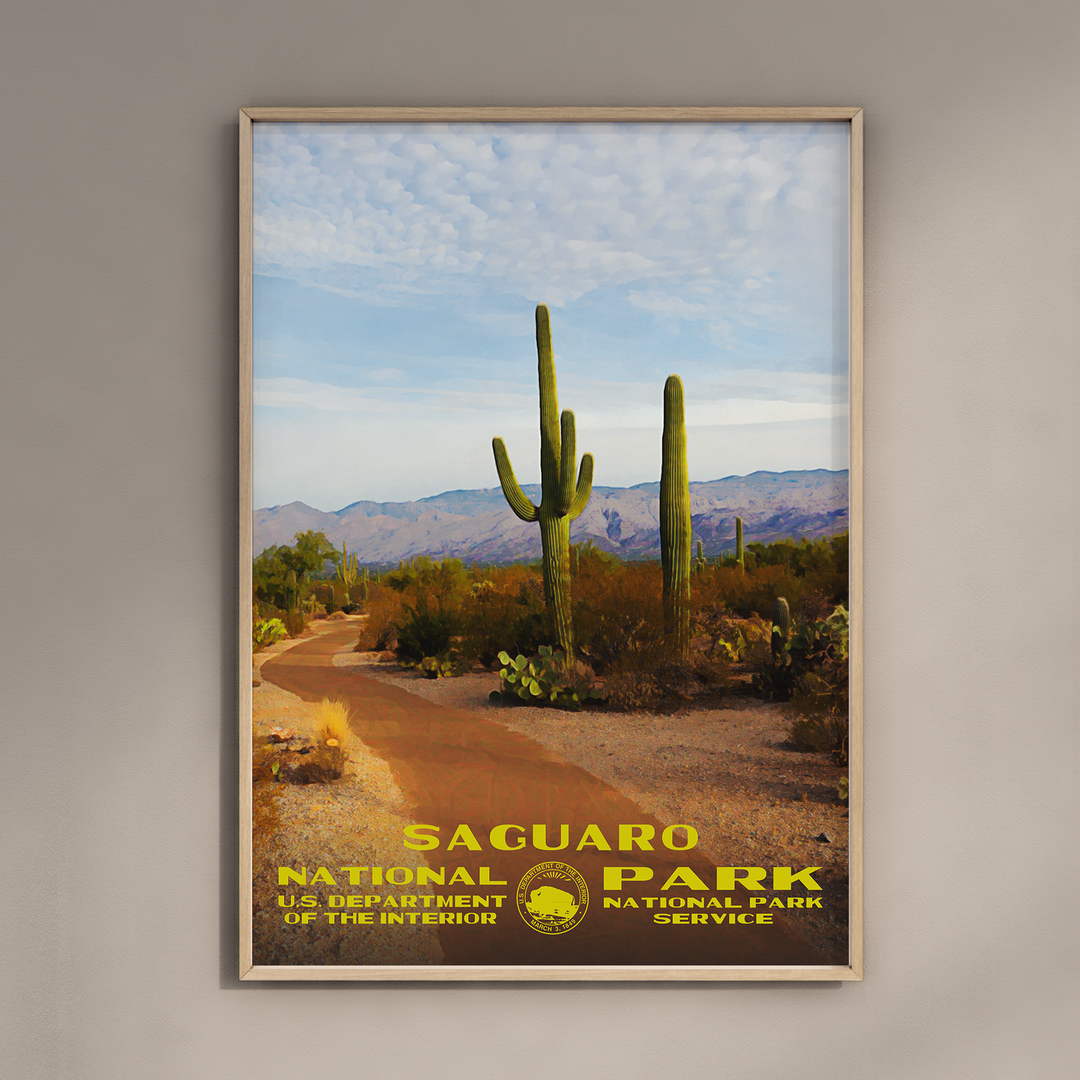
{"points": [[479, 526]]}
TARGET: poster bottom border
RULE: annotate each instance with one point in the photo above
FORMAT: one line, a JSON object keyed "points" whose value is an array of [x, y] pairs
{"points": [[544, 973]]}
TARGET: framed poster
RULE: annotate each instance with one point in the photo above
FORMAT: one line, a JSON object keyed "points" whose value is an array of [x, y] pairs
{"points": [[587, 713]]}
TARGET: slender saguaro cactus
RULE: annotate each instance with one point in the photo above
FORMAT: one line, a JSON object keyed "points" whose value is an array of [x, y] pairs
{"points": [[675, 529], [560, 501], [347, 570], [346, 575], [739, 554]]}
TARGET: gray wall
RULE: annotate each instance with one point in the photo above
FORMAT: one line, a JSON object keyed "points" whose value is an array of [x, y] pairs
{"points": [[118, 434]]}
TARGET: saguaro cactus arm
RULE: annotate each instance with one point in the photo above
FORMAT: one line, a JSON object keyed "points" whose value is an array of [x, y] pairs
{"points": [[572, 500], [567, 456], [518, 500], [550, 441], [584, 488]]}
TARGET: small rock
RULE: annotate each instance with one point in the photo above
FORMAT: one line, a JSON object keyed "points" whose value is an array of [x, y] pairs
{"points": [[387, 657], [281, 734], [824, 838]]}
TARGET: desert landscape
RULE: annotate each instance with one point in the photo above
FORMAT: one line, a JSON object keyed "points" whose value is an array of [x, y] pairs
{"points": [[722, 763]]}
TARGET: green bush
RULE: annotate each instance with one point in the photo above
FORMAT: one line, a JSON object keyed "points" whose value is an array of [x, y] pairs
{"points": [[283, 576], [266, 632], [425, 631]]}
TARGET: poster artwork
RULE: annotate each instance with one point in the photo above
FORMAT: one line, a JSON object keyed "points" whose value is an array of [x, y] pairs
{"points": [[550, 549]]}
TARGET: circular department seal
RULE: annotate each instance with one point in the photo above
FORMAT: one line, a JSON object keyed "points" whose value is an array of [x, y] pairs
{"points": [[552, 898]]}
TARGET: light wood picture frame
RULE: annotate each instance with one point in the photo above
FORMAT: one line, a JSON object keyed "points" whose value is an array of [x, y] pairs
{"points": [[688, 804]]}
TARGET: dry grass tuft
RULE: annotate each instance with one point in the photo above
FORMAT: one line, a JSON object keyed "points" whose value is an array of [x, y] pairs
{"points": [[332, 722]]}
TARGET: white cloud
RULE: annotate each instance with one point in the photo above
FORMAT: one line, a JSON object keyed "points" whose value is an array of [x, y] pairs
{"points": [[389, 402], [548, 212]]}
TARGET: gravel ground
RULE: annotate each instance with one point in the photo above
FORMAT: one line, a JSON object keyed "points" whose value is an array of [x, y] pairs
{"points": [[356, 821], [723, 768]]}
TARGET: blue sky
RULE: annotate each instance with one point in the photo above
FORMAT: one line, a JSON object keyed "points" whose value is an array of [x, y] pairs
{"points": [[397, 269]]}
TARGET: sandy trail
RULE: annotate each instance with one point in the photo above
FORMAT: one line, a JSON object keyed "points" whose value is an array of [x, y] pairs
{"points": [[461, 769]]}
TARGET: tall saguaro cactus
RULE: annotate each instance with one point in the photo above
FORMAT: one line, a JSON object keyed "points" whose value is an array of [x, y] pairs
{"points": [[740, 555], [675, 531], [561, 501]]}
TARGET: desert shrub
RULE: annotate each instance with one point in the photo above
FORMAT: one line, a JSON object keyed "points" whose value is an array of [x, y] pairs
{"points": [[764, 585], [445, 581], [726, 588], [715, 626], [416, 608], [384, 609], [325, 763], [820, 697], [264, 758], [265, 767], [324, 758], [503, 612], [618, 610], [712, 671], [816, 606], [821, 565], [823, 731], [643, 680], [323, 591], [811, 673], [294, 623], [425, 630], [266, 632], [789, 568]]}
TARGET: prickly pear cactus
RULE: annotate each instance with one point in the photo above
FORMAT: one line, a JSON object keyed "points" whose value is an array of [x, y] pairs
{"points": [[543, 679]]}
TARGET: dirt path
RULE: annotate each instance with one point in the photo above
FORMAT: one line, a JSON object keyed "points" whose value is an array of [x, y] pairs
{"points": [[461, 769]]}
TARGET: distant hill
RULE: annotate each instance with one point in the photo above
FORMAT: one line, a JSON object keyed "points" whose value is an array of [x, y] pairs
{"points": [[479, 526]]}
